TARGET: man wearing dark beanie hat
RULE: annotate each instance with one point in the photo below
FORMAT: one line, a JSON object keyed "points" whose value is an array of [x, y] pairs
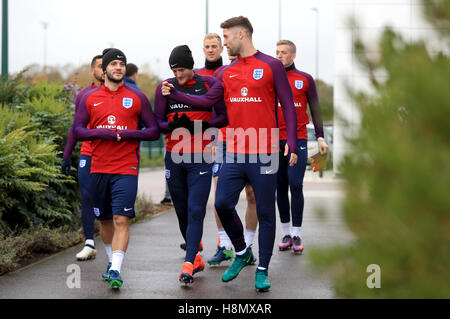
{"points": [[188, 177], [109, 117], [112, 54], [181, 57]]}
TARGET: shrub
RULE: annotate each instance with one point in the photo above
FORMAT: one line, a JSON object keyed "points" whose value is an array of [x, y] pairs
{"points": [[33, 129]]}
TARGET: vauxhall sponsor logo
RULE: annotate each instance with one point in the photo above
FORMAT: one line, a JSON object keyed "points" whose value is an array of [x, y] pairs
{"points": [[111, 119], [296, 104], [244, 98], [178, 106]]}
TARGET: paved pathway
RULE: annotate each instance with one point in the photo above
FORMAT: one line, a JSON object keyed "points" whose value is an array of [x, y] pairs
{"points": [[153, 260]]}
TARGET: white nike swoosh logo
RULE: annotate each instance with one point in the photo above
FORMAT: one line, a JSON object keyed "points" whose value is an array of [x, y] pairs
{"points": [[232, 76], [173, 65], [302, 148], [198, 90], [268, 172], [98, 103], [203, 173], [127, 209]]}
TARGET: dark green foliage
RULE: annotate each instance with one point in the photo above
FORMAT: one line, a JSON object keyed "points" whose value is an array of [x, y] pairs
{"points": [[33, 130], [397, 201]]}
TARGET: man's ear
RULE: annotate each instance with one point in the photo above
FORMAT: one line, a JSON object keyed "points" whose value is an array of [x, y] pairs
{"points": [[241, 34]]}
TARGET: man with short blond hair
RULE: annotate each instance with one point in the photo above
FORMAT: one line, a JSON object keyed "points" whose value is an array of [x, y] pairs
{"points": [[212, 48], [289, 43], [291, 177]]}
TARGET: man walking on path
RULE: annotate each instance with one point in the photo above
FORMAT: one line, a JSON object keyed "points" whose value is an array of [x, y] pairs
{"points": [[109, 116], [212, 48], [224, 247], [84, 167], [291, 177], [249, 87], [189, 179]]}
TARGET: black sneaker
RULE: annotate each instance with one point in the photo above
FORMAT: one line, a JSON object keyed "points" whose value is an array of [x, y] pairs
{"points": [[166, 201]]}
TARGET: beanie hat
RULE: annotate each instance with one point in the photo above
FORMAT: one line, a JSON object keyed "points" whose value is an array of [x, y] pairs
{"points": [[112, 54], [181, 57]]}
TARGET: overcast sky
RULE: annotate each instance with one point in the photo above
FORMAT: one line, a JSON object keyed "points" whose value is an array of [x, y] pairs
{"points": [[147, 31]]}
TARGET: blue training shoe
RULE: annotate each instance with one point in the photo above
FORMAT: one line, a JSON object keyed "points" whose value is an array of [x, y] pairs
{"points": [[222, 254], [105, 275], [115, 281]]}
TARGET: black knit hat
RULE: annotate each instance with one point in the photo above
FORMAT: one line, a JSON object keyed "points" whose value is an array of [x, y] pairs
{"points": [[181, 57], [112, 54]]}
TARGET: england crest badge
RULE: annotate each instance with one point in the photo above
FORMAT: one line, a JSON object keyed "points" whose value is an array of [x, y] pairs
{"points": [[299, 84], [258, 74], [127, 102]]}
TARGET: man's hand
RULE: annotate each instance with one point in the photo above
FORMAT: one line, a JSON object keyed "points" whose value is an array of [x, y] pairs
{"points": [[65, 166], [165, 88], [174, 123], [294, 157], [323, 146], [183, 121]]}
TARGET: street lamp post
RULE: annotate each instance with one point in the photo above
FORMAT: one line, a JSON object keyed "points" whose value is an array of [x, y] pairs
{"points": [[5, 39], [206, 16], [45, 26], [279, 19], [316, 10]]}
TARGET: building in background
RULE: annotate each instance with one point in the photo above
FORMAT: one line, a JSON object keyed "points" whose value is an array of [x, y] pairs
{"points": [[372, 16]]}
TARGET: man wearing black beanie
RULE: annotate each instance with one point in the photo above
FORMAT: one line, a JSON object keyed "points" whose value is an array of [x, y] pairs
{"points": [[181, 57], [188, 177], [109, 116], [112, 54]]}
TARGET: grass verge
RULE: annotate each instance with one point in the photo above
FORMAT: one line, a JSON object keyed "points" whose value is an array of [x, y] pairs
{"points": [[21, 249]]}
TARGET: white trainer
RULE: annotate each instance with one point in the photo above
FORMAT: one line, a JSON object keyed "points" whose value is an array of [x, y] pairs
{"points": [[86, 253]]}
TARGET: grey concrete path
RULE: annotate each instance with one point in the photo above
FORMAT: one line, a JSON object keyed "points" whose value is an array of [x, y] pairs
{"points": [[153, 260]]}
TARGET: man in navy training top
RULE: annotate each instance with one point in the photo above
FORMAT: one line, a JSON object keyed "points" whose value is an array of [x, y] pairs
{"points": [[84, 167]]}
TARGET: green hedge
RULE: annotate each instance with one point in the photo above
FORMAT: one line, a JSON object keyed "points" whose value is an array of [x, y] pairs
{"points": [[33, 129]]}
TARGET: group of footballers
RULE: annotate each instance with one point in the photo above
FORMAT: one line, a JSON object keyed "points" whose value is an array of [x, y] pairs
{"points": [[242, 125]]}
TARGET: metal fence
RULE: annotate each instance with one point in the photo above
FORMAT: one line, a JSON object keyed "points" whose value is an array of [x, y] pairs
{"points": [[153, 149]]}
